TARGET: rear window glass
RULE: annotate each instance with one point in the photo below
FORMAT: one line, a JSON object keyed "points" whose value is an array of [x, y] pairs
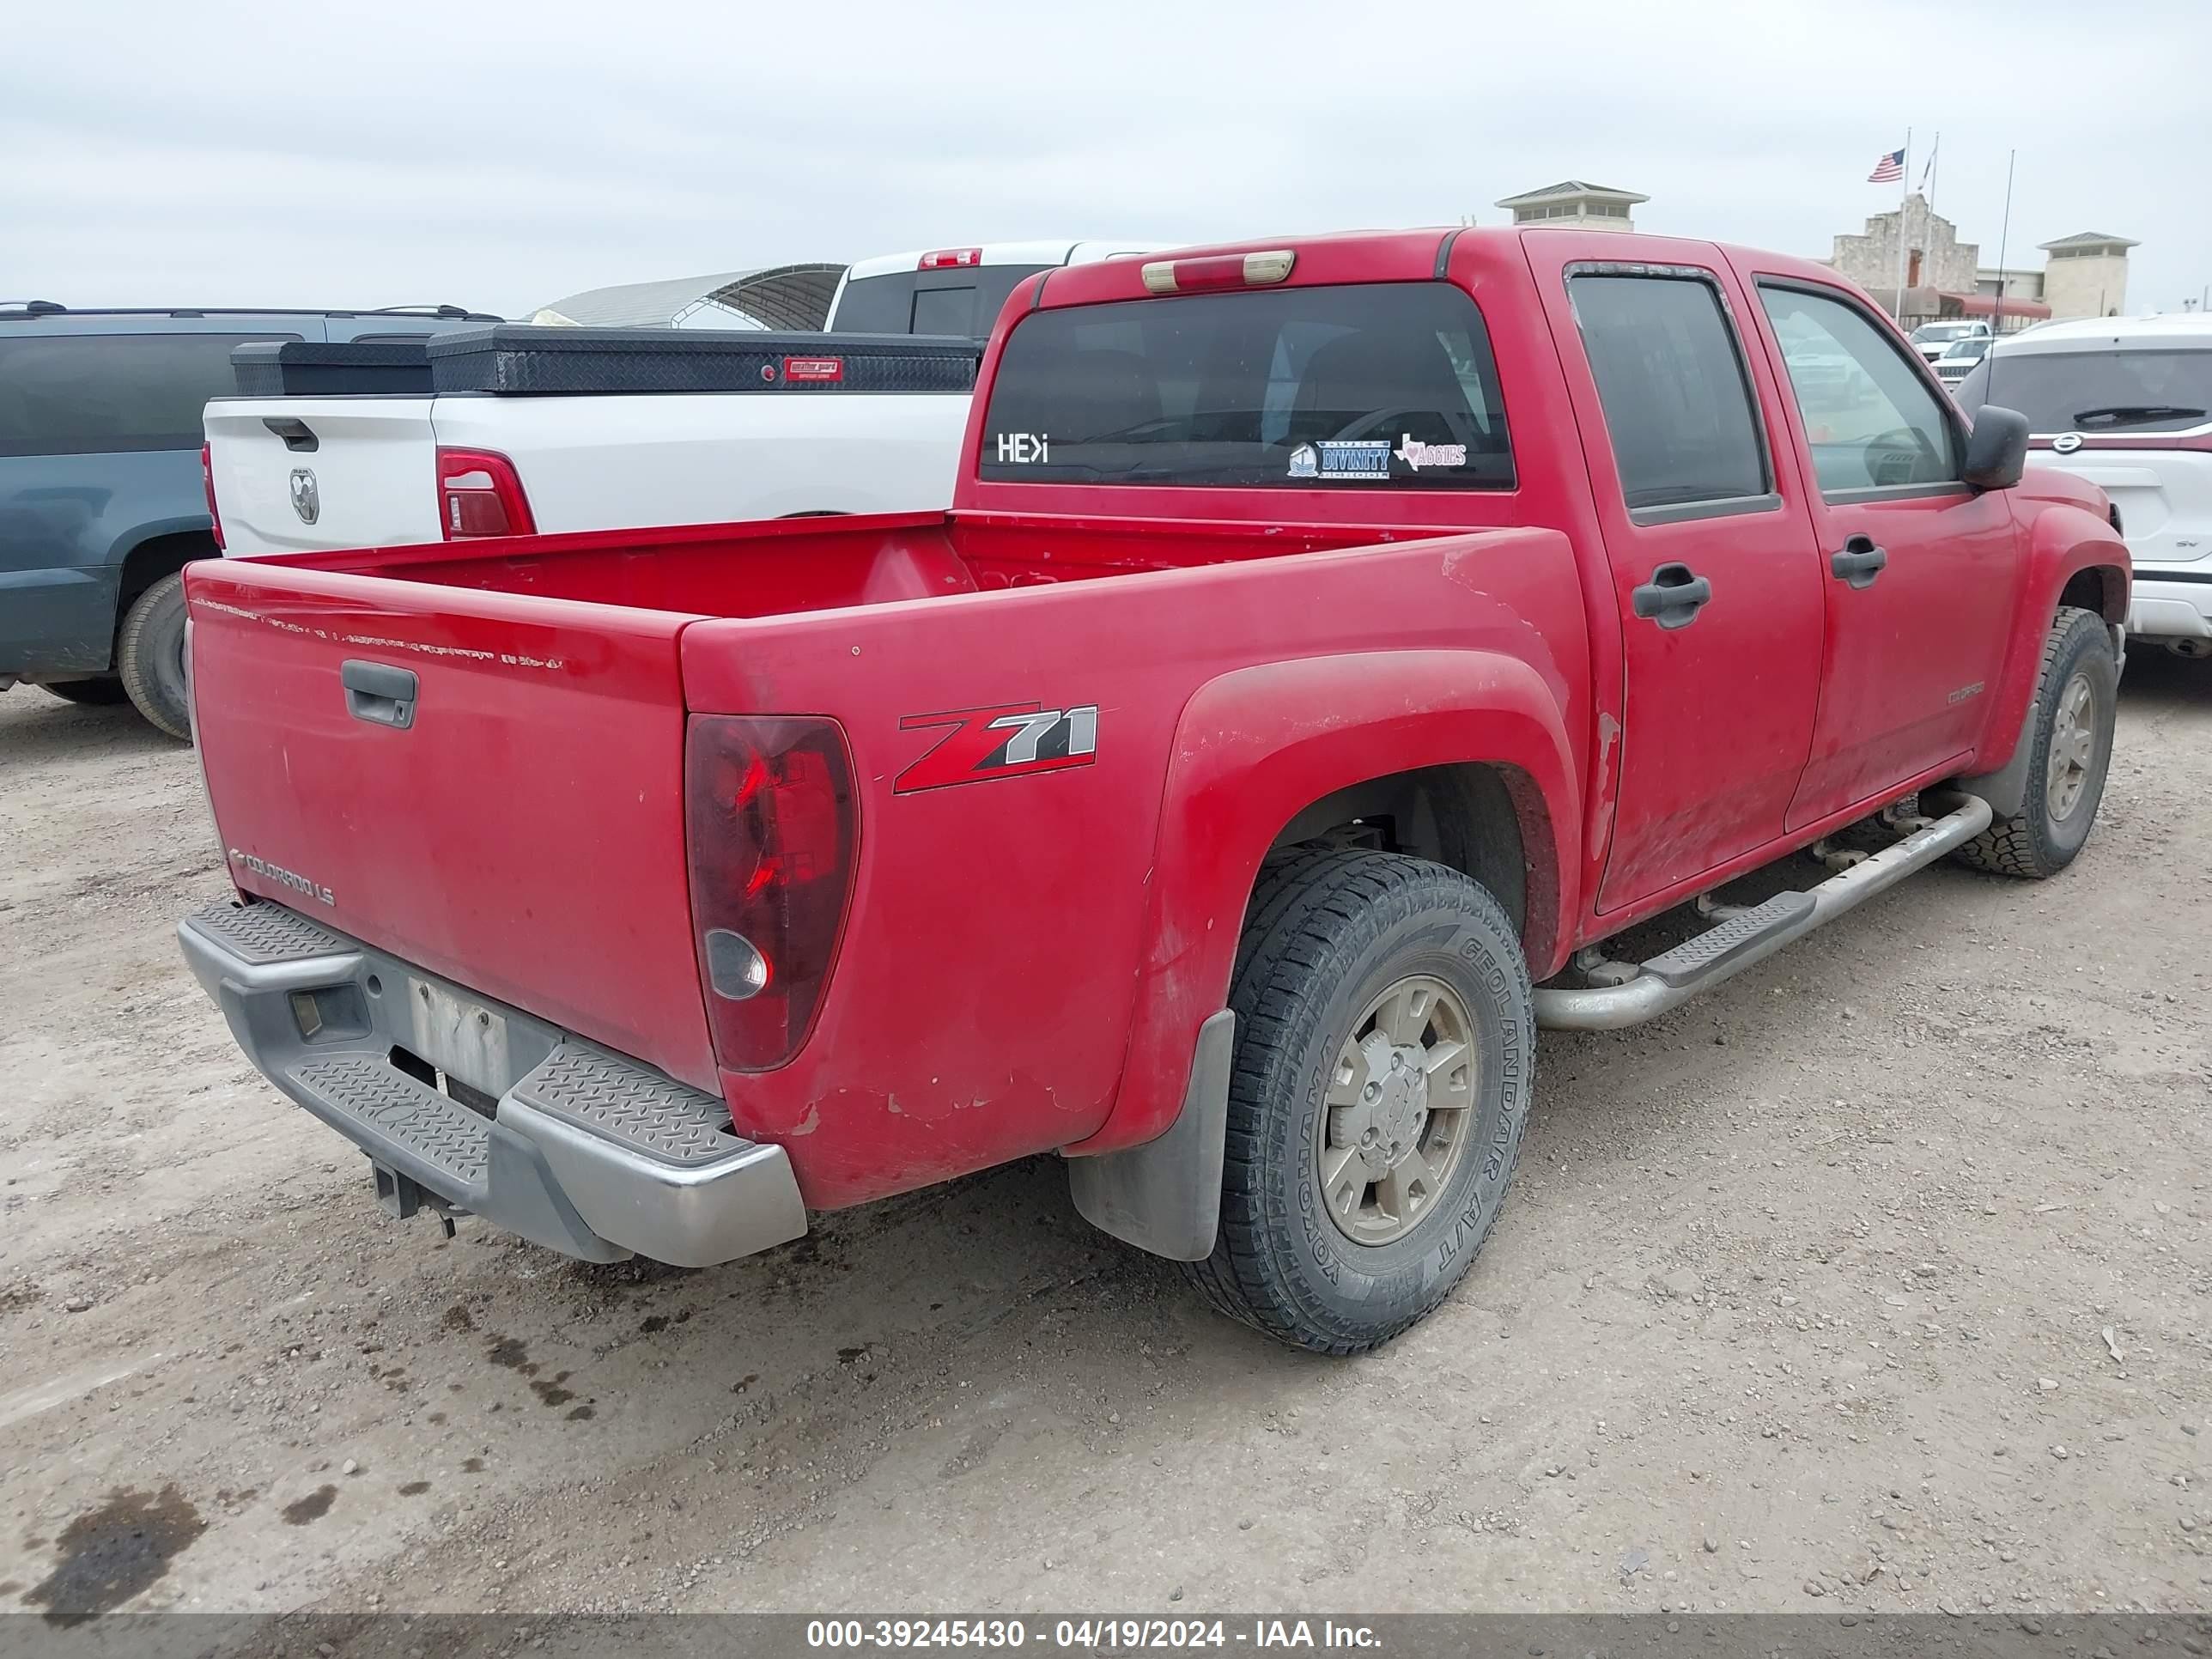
{"points": [[2095, 390], [80, 394], [1677, 402], [929, 301], [1383, 385]]}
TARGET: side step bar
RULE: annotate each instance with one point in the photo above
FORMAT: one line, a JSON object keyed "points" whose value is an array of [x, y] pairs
{"points": [[1671, 979]]}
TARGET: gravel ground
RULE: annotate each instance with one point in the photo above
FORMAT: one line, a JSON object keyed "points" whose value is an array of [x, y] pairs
{"points": [[1879, 1278]]}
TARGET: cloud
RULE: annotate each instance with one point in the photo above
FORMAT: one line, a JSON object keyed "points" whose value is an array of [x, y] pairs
{"points": [[500, 155]]}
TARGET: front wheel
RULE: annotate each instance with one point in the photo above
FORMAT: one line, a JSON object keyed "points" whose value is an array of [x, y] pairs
{"points": [[150, 654], [1380, 1084], [2070, 725]]}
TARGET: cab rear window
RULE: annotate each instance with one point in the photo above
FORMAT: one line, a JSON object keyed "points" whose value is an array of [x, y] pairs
{"points": [[962, 299], [1381, 386]]}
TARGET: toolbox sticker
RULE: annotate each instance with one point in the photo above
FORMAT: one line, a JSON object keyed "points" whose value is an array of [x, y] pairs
{"points": [[1417, 455], [1007, 740]]}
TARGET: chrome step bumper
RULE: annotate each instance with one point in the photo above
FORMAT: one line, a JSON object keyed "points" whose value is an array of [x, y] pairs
{"points": [[585, 1151]]}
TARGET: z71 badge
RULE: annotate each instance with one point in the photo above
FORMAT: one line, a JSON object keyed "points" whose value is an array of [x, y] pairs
{"points": [[1010, 740]]}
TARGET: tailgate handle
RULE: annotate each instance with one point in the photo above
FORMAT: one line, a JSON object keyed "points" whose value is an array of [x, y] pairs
{"points": [[379, 693], [299, 437]]}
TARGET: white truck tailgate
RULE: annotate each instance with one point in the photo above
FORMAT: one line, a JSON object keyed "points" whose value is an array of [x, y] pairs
{"points": [[296, 475]]}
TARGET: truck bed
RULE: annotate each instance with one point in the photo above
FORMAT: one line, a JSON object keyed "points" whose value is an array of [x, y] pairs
{"points": [[796, 566], [524, 835]]}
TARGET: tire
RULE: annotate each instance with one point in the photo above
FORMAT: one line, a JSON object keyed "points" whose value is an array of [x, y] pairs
{"points": [[2076, 702], [149, 656], [1328, 933], [105, 689]]}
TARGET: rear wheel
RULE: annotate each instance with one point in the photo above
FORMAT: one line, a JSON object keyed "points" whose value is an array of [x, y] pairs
{"points": [[149, 656], [106, 690], [1383, 1023], [2070, 725]]}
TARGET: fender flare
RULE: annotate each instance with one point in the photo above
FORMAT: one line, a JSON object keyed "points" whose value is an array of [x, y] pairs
{"points": [[1253, 747], [2065, 541]]}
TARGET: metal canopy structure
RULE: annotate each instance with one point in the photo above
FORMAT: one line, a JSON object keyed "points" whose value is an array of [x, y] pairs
{"points": [[795, 297]]}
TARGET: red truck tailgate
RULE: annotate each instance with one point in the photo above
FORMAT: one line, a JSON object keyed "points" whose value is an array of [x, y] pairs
{"points": [[517, 826]]}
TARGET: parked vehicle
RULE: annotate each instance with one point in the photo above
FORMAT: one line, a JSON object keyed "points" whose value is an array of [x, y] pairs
{"points": [[2126, 403], [101, 500], [1959, 356], [1932, 340], [1315, 657], [651, 426]]}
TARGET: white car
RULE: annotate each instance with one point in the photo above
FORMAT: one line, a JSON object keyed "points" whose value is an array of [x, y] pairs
{"points": [[556, 428], [2126, 403], [1960, 356], [1932, 340]]}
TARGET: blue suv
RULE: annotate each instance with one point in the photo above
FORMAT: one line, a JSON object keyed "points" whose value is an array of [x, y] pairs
{"points": [[102, 502]]}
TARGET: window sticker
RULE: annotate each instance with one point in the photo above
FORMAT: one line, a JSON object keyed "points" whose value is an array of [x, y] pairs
{"points": [[1417, 455], [1343, 457]]}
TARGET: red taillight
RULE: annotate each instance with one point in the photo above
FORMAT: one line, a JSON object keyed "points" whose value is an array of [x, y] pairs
{"points": [[480, 494], [1217, 271], [207, 484], [770, 826], [951, 258]]}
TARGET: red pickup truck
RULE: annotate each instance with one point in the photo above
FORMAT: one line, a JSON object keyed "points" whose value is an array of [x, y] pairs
{"points": [[1329, 640]]}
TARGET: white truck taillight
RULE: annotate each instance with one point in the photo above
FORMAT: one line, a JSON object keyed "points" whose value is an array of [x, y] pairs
{"points": [[480, 494], [950, 259], [770, 827]]}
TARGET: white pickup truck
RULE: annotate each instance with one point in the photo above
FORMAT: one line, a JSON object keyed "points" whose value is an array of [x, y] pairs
{"points": [[518, 429]]}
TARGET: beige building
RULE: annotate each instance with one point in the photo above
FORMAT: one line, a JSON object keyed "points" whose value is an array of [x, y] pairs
{"points": [[1573, 204], [1934, 261], [2085, 275]]}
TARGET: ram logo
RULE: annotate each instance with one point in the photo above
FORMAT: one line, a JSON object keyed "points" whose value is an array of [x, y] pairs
{"points": [[307, 499], [1008, 740]]}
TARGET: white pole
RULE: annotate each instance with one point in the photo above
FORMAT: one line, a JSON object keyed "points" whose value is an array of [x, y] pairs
{"points": [[1903, 196]]}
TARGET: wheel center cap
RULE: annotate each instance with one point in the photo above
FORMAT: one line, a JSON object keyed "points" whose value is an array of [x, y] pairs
{"points": [[1397, 1101]]}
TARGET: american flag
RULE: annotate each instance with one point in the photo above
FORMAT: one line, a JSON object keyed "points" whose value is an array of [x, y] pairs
{"points": [[1889, 169]]}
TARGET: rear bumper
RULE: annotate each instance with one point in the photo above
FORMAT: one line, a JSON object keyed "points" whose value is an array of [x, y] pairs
{"points": [[2171, 610], [587, 1152]]}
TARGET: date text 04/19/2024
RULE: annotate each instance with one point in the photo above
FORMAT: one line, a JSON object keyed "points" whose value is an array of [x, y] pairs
{"points": [[1090, 1633]]}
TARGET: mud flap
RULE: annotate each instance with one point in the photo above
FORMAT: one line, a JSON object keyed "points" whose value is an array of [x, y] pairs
{"points": [[1165, 1195]]}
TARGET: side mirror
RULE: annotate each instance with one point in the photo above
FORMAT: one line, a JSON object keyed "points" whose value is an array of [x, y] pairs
{"points": [[1996, 449]]}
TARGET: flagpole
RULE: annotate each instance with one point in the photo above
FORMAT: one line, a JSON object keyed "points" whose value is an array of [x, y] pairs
{"points": [[1903, 193], [1934, 165]]}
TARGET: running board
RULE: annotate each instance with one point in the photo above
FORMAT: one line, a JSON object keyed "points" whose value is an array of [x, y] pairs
{"points": [[1671, 979]]}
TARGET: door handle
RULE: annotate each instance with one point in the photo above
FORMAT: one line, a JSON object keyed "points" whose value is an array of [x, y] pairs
{"points": [[379, 693], [1860, 561], [1672, 598]]}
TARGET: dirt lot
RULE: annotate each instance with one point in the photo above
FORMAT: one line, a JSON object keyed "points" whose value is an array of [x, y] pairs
{"points": [[1881, 1276]]}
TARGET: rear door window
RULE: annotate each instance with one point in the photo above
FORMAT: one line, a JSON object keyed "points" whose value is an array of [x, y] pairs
{"points": [[1671, 380], [2096, 391], [78, 394], [1384, 385]]}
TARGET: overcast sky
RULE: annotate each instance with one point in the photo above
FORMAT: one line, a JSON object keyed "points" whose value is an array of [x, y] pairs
{"points": [[499, 154]]}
